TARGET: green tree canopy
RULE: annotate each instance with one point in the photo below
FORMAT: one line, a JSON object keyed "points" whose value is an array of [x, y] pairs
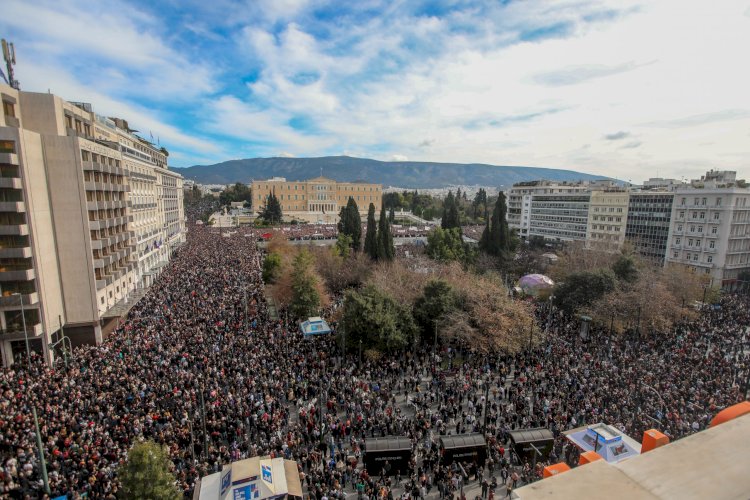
{"points": [[438, 301], [238, 192], [446, 245], [371, 237], [271, 267], [305, 296], [146, 474], [625, 270], [343, 245], [379, 321], [350, 223], [581, 289], [271, 212]]}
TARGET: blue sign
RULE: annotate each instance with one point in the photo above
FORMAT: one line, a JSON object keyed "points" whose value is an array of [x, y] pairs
{"points": [[249, 492], [226, 482], [265, 472]]}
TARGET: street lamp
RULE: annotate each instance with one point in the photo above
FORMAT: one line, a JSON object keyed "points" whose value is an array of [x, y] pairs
{"points": [[25, 332], [434, 345]]}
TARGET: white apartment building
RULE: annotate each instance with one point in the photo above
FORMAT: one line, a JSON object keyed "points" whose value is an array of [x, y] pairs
{"points": [[89, 211], [710, 228]]}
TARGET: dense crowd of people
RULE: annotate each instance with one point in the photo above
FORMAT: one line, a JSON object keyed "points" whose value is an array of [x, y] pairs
{"points": [[200, 367]]}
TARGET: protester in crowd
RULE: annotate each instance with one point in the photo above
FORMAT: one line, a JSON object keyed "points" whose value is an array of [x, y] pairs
{"points": [[188, 358]]}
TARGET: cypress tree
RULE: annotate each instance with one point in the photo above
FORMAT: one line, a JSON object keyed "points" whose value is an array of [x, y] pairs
{"points": [[371, 237], [496, 236], [385, 238], [350, 223], [271, 213]]}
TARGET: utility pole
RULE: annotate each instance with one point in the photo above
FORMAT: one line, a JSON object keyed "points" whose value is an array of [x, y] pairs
{"points": [[25, 332], [205, 434], [42, 462], [486, 403], [531, 333], [434, 345]]}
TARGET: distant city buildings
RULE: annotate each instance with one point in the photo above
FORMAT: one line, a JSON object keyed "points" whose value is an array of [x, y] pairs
{"points": [[703, 224], [316, 200], [89, 213]]}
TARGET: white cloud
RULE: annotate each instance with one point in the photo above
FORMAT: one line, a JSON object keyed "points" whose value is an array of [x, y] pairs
{"points": [[113, 47], [662, 80], [399, 158]]}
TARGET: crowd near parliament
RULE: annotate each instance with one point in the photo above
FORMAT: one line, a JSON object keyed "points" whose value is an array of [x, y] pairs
{"points": [[201, 367]]}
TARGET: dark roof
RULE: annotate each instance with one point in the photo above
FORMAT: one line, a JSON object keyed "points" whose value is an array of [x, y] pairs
{"points": [[463, 441], [531, 435], [388, 443]]}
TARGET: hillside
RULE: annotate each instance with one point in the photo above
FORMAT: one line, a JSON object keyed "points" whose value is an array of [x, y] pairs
{"points": [[407, 174]]}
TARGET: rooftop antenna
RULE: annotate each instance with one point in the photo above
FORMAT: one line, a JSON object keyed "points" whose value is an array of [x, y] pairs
{"points": [[9, 55]]}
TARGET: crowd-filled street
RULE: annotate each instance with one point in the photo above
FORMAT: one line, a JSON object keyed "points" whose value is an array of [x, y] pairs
{"points": [[200, 367]]}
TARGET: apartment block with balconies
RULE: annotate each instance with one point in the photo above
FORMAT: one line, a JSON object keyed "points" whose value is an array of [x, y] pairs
{"points": [[31, 305], [71, 239], [710, 228]]}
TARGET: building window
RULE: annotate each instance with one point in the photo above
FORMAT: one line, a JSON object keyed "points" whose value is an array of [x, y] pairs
{"points": [[9, 109], [7, 147], [716, 215], [718, 202], [712, 244], [714, 230]]}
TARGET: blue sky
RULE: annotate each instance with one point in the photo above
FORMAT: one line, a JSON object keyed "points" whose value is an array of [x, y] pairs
{"points": [[625, 88]]}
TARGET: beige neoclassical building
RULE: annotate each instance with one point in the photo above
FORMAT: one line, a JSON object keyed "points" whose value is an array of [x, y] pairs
{"points": [[316, 200]]}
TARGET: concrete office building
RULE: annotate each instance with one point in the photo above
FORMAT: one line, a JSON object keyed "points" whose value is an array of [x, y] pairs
{"points": [[316, 200], [648, 223], [559, 217], [710, 228], [78, 240], [520, 195], [607, 218]]}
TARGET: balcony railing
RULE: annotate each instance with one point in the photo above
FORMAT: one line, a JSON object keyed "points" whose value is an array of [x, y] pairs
{"points": [[12, 206], [14, 230], [13, 300], [17, 275]]}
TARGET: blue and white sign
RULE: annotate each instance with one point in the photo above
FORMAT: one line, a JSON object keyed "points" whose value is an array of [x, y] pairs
{"points": [[249, 492], [226, 482], [265, 473]]}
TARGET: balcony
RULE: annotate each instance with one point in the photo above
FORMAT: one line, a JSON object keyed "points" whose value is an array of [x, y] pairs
{"points": [[16, 331], [11, 183], [12, 206], [28, 299], [8, 158], [17, 275], [15, 253], [14, 230]]}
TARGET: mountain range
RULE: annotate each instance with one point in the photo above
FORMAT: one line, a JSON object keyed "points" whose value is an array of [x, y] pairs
{"points": [[404, 174]]}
